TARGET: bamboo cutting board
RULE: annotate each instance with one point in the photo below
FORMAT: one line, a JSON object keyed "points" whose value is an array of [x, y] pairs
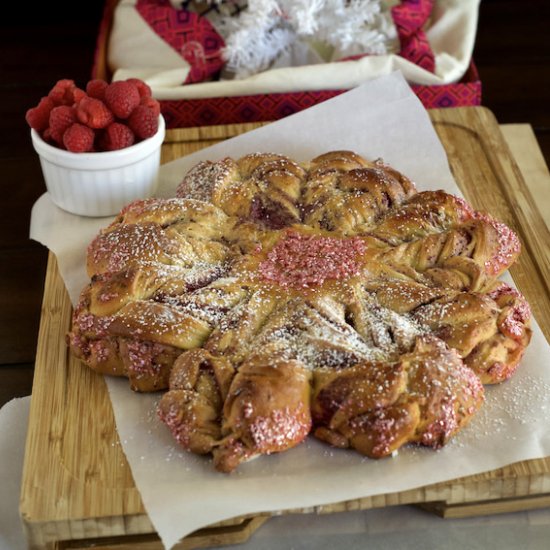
{"points": [[77, 487]]}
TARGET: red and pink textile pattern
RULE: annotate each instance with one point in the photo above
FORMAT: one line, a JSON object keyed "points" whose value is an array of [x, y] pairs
{"points": [[190, 35], [409, 18], [197, 41], [265, 107]]}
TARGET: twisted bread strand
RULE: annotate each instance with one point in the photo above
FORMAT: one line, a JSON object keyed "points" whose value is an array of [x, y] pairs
{"points": [[266, 411], [276, 298], [476, 239], [345, 193], [199, 385], [424, 398]]}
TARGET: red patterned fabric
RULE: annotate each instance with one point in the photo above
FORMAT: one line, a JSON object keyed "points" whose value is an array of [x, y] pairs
{"points": [[191, 35], [196, 40], [265, 107], [409, 18]]}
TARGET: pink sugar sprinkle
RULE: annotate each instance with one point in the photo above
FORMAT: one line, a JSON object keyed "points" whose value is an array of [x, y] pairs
{"points": [[503, 289], [513, 327], [300, 260], [87, 322], [281, 429], [100, 349], [80, 344], [519, 313], [508, 245], [521, 309], [177, 423], [142, 355], [467, 211], [436, 433], [139, 206], [500, 371]]}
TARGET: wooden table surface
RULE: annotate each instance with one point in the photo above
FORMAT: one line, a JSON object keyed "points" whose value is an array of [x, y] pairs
{"points": [[43, 42]]}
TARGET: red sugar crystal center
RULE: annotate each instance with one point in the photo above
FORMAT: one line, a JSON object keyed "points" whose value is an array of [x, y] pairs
{"points": [[300, 261]]}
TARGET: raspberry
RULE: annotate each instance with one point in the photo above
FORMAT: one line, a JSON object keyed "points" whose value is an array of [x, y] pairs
{"points": [[143, 122], [96, 88], [94, 113], [143, 89], [63, 92], [116, 136], [47, 135], [78, 138], [61, 118], [38, 117], [122, 98], [152, 103], [78, 96]]}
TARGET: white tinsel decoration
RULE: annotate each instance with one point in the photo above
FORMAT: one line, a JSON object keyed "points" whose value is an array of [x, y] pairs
{"points": [[256, 37], [266, 28]]}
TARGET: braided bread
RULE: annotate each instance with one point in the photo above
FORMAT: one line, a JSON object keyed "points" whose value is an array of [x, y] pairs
{"points": [[275, 299]]}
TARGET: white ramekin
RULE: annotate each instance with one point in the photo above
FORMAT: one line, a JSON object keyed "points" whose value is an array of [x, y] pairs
{"points": [[100, 184]]}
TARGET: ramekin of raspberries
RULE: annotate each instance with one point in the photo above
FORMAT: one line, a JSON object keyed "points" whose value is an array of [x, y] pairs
{"points": [[103, 117], [99, 148]]}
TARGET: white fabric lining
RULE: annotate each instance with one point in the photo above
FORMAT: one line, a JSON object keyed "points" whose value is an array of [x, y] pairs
{"points": [[136, 51]]}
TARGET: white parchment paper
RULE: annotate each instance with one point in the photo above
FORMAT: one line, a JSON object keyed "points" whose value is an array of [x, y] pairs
{"points": [[182, 492]]}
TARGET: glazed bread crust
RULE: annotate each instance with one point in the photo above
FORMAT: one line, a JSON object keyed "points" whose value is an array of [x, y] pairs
{"points": [[274, 299]]}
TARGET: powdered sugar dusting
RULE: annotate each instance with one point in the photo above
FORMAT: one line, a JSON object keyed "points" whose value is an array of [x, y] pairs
{"points": [[201, 182], [509, 403], [120, 248], [385, 329], [276, 431]]}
